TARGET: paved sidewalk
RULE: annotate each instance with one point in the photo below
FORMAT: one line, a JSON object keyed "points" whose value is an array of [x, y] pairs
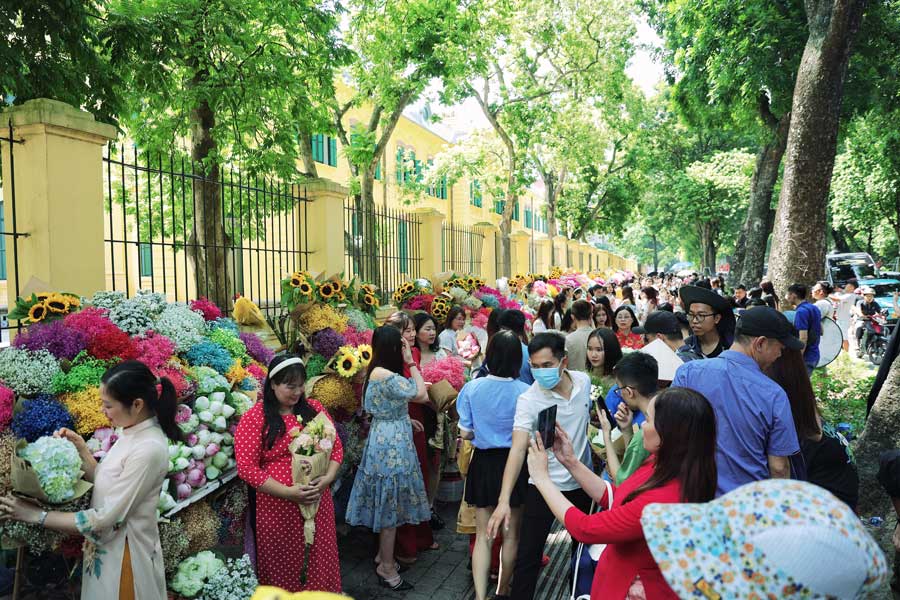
{"points": [[441, 574]]}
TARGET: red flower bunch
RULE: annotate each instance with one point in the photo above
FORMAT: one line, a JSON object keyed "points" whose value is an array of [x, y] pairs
{"points": [[508, 304], [450, 368], [105, 340], [154, 349], [420, 302], [357, 338], [480, 318], [176, 375], [209, 310]]}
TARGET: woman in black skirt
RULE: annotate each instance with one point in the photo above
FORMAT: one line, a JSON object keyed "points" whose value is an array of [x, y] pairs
{"points": [[487, 407]]}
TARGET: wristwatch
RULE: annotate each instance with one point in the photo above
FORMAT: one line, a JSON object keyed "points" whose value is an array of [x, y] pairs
{"points": [[43, 518]]}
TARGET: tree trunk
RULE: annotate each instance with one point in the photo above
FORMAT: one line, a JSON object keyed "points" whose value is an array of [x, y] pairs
{"points": [[309, 165], [798, 248], [751, 249], [369, 260], [209, 245], [881, 434], [707, 234], [655, 254], [549, 187]]}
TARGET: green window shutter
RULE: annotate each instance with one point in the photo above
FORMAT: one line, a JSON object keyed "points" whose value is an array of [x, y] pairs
{"points": [[404, 247], [318, 148], [145, 259], [2, 243], [444, 187], [499, 205], [399, 165], [516, 212], [529, 222], [332, 152]]}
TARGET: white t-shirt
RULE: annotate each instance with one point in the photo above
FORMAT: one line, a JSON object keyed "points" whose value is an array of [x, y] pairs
{"points": [[845, 307], [825, 307], [572, 414], [538, 326], [447, 340]]}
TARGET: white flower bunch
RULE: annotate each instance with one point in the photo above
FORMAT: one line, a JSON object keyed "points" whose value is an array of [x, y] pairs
{"points": [[180, 324], [235, 582], [27, 372]]}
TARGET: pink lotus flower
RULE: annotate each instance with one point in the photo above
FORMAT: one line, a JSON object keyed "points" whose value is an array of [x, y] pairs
{"points": [[325, 445]]}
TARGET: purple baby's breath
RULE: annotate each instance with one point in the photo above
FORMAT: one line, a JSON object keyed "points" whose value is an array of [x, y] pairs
{"points": [[55, 337], [256, 349]]}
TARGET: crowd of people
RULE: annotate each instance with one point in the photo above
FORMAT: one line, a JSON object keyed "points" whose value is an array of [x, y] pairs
{"points": [[700, 398], [713, 473]]}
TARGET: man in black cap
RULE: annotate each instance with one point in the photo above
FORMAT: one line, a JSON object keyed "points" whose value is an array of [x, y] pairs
{"points": [[711, 320], [755, 428], [663, 341]]}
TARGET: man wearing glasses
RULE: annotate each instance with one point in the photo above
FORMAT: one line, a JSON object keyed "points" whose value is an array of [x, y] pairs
{"points": [[711, 320]]}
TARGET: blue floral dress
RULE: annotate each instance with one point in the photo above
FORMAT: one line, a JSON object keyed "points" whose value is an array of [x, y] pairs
{"points": [[388, 490]]}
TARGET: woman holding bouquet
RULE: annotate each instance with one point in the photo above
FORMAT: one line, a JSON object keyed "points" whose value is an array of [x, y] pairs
{"points": [[122, 553], [389, 490], [264, 462]]}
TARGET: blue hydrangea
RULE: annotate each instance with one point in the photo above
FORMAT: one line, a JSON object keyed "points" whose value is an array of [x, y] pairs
{"points": [[223, 323], [490, 301], [39, 417]]}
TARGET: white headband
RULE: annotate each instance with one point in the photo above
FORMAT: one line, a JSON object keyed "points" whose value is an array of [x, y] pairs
{"points": [[285, 364]]}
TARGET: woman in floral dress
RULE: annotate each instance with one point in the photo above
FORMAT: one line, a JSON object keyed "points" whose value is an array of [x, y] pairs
{"points": [[264, 462], [389, 490]]}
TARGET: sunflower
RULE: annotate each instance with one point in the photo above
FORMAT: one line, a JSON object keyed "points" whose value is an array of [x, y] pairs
{"points": [[347, 363], [37, 312], [57, 303], [74, 301], [341, 296], [305, 288], [337, 285], [368, 288], [406, 287], [296, 281], [365, 354], [326, 290], [370, 300], [41, 296]]}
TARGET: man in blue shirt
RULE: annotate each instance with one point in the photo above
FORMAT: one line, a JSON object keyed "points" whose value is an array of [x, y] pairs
{"points": [[756, 434], [808, 322]]}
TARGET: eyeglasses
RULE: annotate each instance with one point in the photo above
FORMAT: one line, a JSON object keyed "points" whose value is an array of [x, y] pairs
{"points": [[697, 317], [618, 391]]}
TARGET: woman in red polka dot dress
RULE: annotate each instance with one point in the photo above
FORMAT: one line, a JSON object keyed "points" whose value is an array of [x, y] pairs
{"points": [[264, 462]]}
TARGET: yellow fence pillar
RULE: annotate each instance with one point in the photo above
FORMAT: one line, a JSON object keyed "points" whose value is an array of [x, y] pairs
{"points": [[58, 196], [519, 248], [488, 253], [559, 245], [324, 227], [542, 264], [431, 244]]}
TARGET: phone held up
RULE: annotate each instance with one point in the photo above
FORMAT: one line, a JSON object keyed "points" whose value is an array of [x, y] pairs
{"points": [[546, 426]]}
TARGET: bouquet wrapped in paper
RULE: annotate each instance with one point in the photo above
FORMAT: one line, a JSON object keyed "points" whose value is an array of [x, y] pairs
{"points": [[310, 456]]}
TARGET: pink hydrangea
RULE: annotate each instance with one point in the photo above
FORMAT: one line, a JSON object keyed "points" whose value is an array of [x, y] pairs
{"points": [[450, 368], [540, 288], [480, 319], [210, 311], [510, 304], [7, 400]]}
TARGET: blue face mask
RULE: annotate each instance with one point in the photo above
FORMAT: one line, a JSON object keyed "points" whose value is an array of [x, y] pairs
{"points": [[547, 378]]}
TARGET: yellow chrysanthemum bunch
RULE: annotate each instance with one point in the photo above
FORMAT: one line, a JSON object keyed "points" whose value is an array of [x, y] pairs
{"points": [[334, 392], [272, 593], [84, 406], [237, 372], [320, 316]]}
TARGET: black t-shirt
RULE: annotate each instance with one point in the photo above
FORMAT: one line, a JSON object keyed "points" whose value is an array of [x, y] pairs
{"points": [[869, 308], [829, 465], [743, 302]]}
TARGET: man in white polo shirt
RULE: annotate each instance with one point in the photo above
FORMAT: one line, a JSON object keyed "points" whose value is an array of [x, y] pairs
{"points": [[570, 392]]}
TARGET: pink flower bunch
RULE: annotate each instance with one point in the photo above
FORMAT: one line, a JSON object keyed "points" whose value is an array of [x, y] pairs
{"points": [[488, 291], [183, 413], [7, 400], [175, 374], [480, 318], [540, 288], [206, 308], [105, 437], [154, 349], [357, 338], [510, 304], [420, 302], [450, 368]]}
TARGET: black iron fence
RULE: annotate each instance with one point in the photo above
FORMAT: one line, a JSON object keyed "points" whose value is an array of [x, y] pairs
{"points": [[9, 233], [461, 249], [174, 227], [381, 246]]}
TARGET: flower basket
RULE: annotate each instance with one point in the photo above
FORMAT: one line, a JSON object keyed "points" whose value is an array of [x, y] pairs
{"points": [[305, 467], [24, 479]]}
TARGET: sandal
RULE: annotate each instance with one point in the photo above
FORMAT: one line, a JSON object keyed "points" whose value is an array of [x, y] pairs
{"points": [[437, 523], [394, 583]]}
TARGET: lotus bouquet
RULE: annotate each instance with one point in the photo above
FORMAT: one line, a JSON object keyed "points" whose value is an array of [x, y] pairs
{"points": [[57, 466], [310, 454]]}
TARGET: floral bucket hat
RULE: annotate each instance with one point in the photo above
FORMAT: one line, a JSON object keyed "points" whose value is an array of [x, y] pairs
{"points": [[768, 539]]}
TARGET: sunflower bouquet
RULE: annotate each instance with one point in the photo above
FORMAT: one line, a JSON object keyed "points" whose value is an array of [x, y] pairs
{"points": [[440, 307], [44, 306]]}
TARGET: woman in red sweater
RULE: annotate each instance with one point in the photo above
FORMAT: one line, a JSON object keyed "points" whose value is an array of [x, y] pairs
{"points": [[680, 435]]}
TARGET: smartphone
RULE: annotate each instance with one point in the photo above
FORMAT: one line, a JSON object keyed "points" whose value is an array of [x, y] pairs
{"points": [[546, 426]]}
